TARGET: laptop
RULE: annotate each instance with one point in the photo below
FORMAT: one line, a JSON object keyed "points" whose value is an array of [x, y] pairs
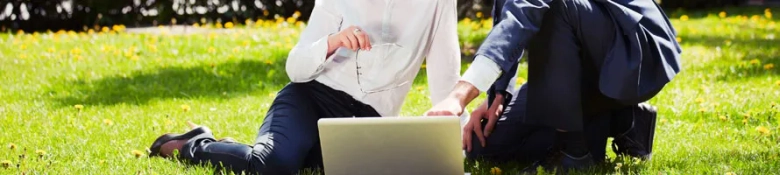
{"points": [[391, 145]]}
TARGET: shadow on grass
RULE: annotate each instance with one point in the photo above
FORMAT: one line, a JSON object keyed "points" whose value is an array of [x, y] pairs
{"points": [[218, 81]]}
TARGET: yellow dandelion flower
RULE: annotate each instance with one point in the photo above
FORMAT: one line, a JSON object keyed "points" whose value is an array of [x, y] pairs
{"points": [[663, 120], [105, 29], [79, 107], [75, 51], [265, 12], [212, 50], [137, 153], [723, 118], [755, 61], [291, 20], [40, 152], [185, 108], [768, 14], [6, 163], [679, 40], [744, 121], [90, 31], [495, 170], [702, 109], [763, 130], [135, 58], [246, 43], [479, 14], [722, 14], [699, 100], [268, 62], [12, 146], [196, 25], [20, 32], [467, 21], [755, 18], [218, 25], [769, 66], [296, 14], [684, 18], [108, 122], [778, 82], [51, 50], [229, 25], [731, 173]]}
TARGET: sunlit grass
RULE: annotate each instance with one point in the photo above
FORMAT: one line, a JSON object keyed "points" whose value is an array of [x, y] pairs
{"points": [[92, 101]]}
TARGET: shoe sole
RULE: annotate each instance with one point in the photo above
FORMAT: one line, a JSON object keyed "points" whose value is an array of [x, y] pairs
{"points": [[154, 150]]}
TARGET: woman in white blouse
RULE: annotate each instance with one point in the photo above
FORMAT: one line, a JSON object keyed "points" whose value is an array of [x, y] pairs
{"points": [[354, 59]]}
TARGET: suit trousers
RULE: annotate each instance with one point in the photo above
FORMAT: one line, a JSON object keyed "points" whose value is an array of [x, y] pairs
{"points": [[564, 61], [288, 140]]}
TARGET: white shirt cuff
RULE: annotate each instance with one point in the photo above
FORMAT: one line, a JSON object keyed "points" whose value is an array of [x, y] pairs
{"points": [[482, 73]]}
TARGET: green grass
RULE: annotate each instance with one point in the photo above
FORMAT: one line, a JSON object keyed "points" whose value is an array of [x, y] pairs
{"points": [[134, 87]]}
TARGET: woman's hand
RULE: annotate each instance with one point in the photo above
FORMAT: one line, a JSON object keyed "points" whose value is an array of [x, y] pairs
{"points": [[352, 38]]}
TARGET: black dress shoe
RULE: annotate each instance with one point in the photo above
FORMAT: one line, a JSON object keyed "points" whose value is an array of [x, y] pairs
{"points": [[560, 162], [635, 129], [154, 150]]}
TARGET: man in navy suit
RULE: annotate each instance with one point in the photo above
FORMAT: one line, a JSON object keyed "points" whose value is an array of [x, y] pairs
{"points": [[585, 58]]}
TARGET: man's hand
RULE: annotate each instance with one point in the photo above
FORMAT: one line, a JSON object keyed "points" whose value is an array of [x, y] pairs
{"points": [[495, 111], [475, 122], [474, 125]]}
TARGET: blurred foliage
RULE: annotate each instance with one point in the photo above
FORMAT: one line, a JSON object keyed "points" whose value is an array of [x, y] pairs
{"points": [[41, 15], [698, 4]]}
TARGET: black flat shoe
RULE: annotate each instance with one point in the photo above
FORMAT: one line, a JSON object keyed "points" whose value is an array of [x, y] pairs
{"points": [[635, 138], [154, 150]]}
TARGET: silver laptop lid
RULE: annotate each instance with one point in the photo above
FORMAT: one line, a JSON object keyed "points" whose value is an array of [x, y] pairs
{"points": [[391, 145]]}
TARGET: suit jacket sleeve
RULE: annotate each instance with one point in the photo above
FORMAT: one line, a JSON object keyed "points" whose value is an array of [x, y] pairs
{"points": [[516, 21]]}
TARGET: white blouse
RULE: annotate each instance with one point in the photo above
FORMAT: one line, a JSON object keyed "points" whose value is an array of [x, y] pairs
{"points": [[402, 34]]}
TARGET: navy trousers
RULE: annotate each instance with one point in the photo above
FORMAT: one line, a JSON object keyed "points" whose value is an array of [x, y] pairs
{"points": [[564, 61], [288, 140], [514, 140]]}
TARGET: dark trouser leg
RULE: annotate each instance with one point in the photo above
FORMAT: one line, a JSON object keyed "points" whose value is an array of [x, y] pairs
{"points": [[512, 139], [564, 59], [288, 139]]}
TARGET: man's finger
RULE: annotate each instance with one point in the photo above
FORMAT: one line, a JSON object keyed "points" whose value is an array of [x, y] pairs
{"points": [[492, 119], [478, 132], [492, 114], [467, 137]]}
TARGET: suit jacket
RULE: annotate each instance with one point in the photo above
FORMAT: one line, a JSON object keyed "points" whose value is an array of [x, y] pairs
{"points": [[644, 58]]}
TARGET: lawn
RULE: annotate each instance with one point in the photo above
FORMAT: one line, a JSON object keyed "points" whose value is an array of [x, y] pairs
{"points": [[91, 102]]}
